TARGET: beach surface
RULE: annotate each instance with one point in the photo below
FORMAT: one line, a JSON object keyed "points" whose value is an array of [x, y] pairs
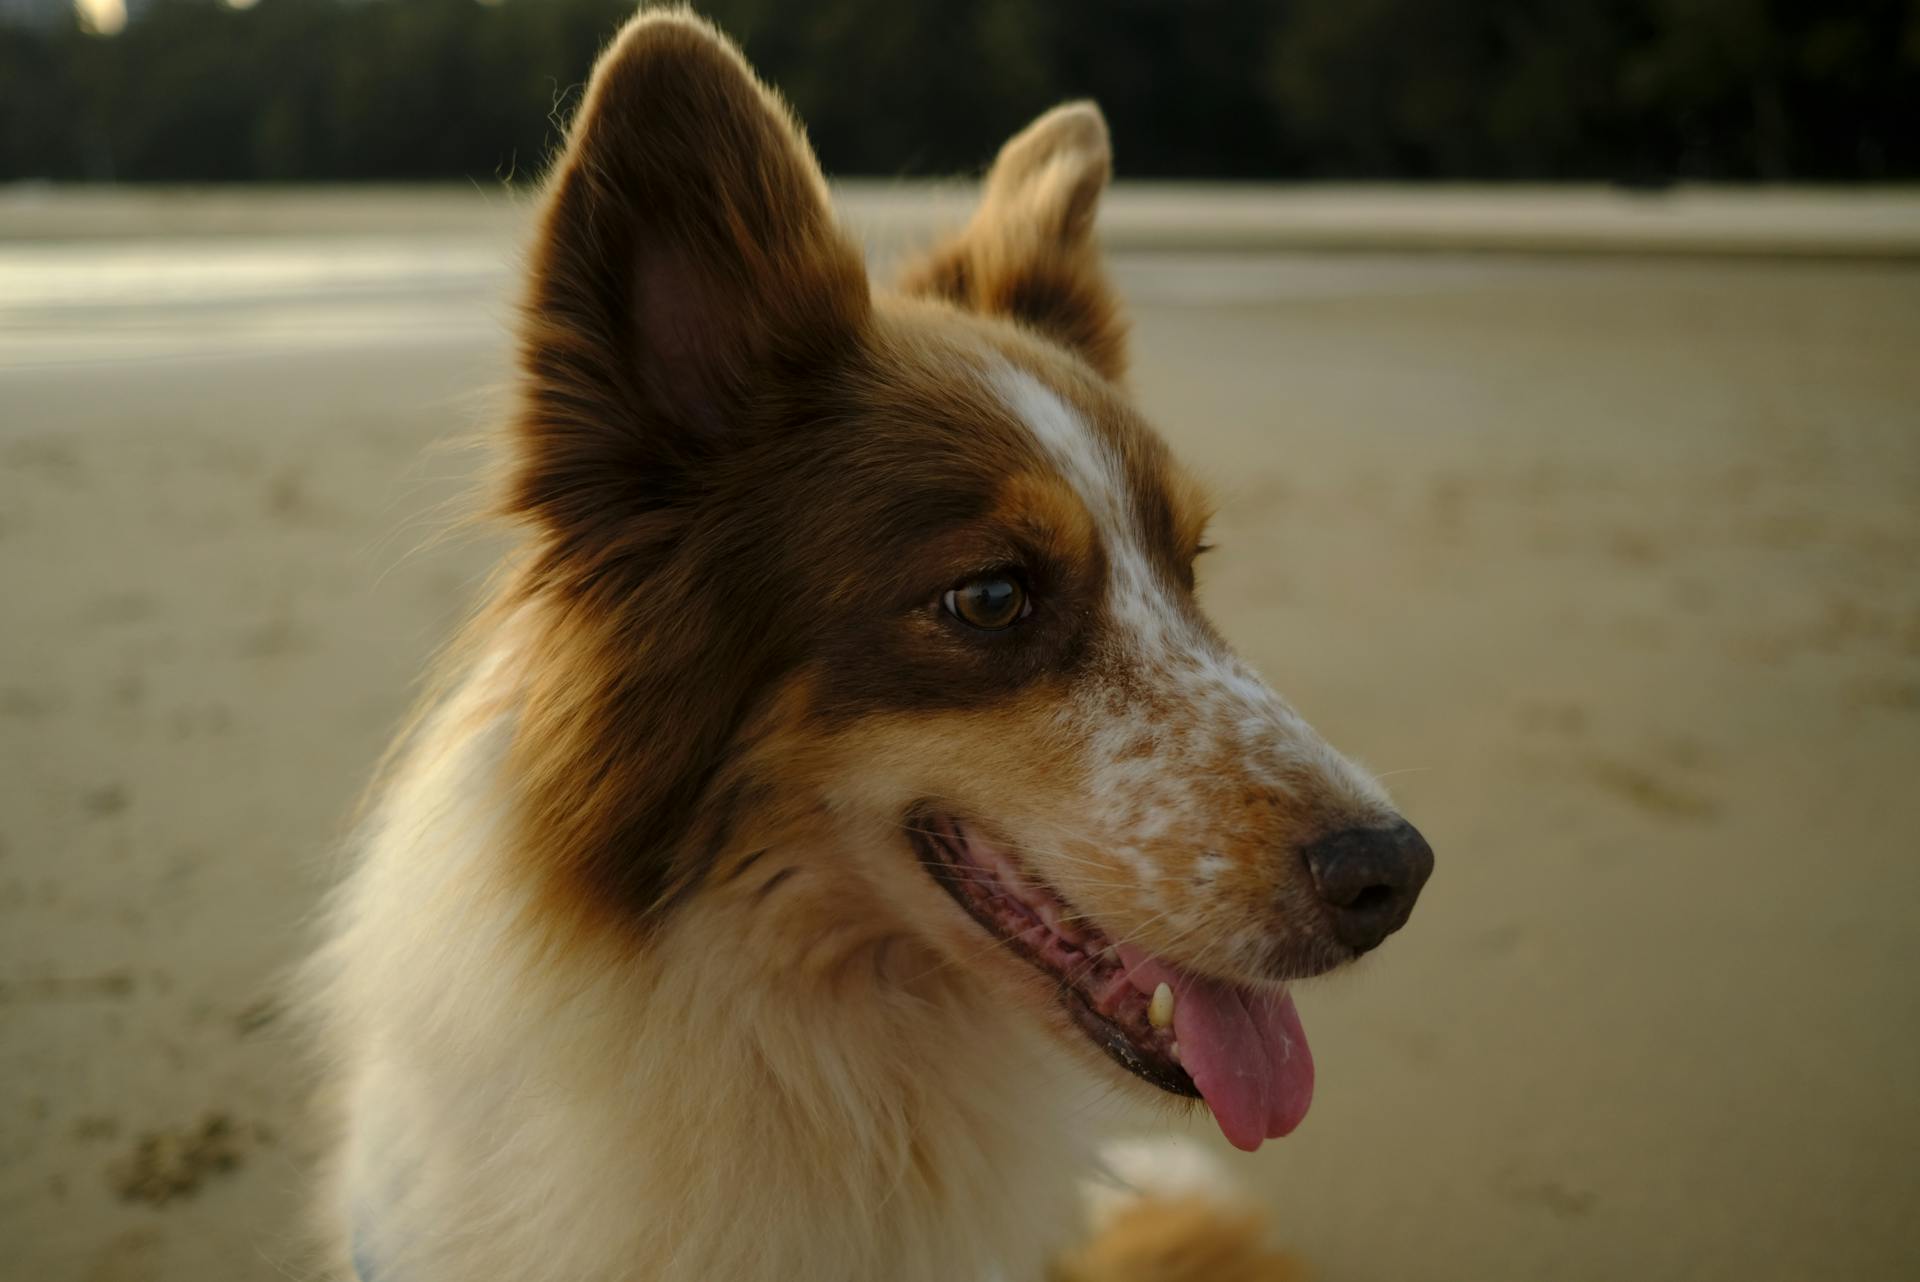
{"points": [[1608, 558]]}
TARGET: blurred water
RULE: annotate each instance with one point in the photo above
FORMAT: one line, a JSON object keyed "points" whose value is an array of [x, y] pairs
{"points": [[87, 302], [103, 275], [109, 301]]}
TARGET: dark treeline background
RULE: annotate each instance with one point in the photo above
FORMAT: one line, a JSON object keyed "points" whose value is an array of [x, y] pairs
{"points": [[1639, 91]]}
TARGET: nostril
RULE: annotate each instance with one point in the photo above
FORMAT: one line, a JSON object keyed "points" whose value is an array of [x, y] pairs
{"points": [[1371, 899]]}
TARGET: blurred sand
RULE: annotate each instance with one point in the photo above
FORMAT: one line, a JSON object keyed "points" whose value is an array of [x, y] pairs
{"points": [[1612, 564]]}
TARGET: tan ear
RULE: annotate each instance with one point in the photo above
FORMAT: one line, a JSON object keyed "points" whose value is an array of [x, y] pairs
{"points": [[686, 257], [1029, 252]]}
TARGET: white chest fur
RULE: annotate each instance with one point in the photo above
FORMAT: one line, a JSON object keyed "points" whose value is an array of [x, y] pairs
{"points": [[521, 1105]]}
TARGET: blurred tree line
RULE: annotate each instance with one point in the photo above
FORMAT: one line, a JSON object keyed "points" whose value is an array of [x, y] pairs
{"points": [[1641, 91]]}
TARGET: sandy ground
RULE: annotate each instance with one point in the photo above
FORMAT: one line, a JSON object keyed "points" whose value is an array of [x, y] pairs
{"points": [[1612, 564]]}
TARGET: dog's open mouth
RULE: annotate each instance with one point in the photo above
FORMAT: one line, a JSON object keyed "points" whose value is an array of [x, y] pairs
{"points": [[1240, 1049]]}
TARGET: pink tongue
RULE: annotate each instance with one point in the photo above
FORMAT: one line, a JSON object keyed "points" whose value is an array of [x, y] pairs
{"points": [[1245, 1050]]}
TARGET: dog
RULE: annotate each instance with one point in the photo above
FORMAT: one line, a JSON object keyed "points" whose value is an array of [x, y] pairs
{"points": [[842, 791]]}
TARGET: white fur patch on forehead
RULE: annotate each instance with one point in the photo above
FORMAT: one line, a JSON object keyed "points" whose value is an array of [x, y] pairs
{"points": [[1069, 441], [1140, 605]]}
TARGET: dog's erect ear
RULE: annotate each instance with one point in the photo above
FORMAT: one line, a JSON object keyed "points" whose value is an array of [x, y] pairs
{"points": [[687, 255], [1029, 253]]}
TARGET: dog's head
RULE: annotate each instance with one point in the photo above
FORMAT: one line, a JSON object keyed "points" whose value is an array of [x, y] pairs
{"points": [[908, 574]]}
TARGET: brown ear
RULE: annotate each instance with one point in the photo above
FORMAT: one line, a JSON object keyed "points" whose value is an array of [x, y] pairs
{"points": [[687, 255], [1029, 252]]}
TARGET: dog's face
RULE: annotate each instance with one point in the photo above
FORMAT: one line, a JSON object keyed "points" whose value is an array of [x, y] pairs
{"points": [[912, 571]]}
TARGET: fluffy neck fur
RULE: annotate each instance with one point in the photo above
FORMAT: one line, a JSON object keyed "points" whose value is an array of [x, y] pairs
{"points": [[743, 1097]]}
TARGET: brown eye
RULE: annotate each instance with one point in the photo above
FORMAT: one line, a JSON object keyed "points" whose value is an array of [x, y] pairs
{"points": [[991, 602]]}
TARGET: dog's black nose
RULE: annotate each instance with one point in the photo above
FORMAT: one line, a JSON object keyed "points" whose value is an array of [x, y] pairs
{"points": [[1368, 878]]}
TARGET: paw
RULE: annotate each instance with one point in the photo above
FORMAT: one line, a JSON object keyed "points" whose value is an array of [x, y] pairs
{"points": [[1169, 1212], [1155, 1239]]}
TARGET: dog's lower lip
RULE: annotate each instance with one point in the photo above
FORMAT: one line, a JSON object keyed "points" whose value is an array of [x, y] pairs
{"points": [[1146, 1053]]}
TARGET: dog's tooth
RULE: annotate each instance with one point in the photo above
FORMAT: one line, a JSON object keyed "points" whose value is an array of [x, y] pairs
{"points": [[1173, 1049], [1160, 1010]]}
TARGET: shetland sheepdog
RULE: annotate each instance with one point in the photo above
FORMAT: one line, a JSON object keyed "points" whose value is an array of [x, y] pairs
{"points": [[842, 794]]}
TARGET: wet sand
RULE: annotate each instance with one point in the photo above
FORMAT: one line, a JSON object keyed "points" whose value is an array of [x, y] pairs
{"points": [[1611, 564]]}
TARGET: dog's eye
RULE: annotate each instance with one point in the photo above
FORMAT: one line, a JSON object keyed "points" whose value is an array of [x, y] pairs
{"points": [[991, 602]]}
